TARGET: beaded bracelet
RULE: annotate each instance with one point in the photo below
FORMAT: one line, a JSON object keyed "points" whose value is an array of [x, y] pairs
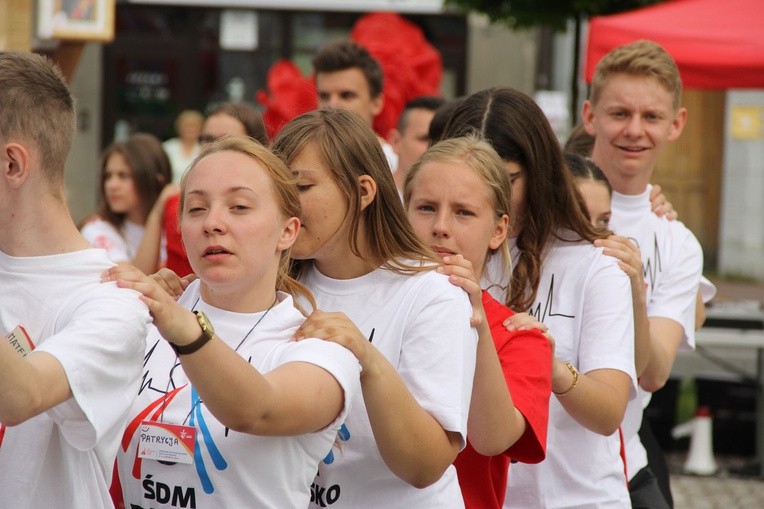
{"points": [[574, 372]]}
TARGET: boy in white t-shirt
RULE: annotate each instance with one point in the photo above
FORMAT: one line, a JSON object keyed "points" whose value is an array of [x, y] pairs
{"points": [[73, 348], [347, 76], [633, 110]]}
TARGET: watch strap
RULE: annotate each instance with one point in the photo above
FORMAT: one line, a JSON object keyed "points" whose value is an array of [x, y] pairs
{"points": [[206, 336]]}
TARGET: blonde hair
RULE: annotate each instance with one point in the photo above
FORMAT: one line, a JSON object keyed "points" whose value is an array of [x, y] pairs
{"points": [[639, 58], [349, 148], [519, 132], [284, 186], [189, 116], [482, 159]]}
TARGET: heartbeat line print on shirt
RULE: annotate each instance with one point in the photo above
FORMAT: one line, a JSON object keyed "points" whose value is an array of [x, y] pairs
{"points": [[196, 420], [147, 382], [653, 265], [541, 314]]}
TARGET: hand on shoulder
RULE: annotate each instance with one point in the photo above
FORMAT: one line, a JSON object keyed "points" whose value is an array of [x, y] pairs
{"points": [[461, 273], [338, 328]]}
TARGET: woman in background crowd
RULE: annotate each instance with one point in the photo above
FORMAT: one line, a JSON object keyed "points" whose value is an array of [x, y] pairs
{"points": [[183, 149], [133, 174]]}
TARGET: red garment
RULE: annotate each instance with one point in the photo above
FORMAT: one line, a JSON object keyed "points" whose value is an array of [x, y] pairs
{"points": [[289, 95], [177, 260], [410, 64], [526, 359], [115, 490]]}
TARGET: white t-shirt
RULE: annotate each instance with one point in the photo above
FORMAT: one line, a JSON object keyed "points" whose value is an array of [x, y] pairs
{"points": [[122, 244], [390, 155], [178, 159], [64, 457], [707, 290], [231, 469], [585, 300], [420, 323], [673, 260]]}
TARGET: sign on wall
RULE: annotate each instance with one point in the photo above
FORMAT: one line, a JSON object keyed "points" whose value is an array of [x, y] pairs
{"points": [[747, 122], [81, 20]]}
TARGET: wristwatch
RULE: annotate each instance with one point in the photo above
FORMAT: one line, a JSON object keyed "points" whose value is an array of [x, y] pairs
{"points": [[207, 333]]}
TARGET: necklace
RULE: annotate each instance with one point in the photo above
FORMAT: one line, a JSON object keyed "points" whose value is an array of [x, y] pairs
{"points": [[256, 324], [275, 299], [198, 401]]}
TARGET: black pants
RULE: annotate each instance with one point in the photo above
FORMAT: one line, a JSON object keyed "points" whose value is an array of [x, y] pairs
{"points": [[645, 492], [656, 460]]}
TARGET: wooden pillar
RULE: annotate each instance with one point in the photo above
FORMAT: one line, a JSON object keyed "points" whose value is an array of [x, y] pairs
{"points": [[67, 56], [16, 29], [690, 169], [16, 25]]}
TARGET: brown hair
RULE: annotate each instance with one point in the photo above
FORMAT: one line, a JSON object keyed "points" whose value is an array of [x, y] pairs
{"points": [[346, 54], [639, 58], [248, 115], [579, 142], [584, 168], [482, 159], [519, 131], [423, 102], [440, 119], [149, 167], [188, 116], [37, 107], [284, 186], [349, 148]]}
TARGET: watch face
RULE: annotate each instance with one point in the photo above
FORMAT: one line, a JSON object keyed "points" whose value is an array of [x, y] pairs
{"points": [[204, 323]]}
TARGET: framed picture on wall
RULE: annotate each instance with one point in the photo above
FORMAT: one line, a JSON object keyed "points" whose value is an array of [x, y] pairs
{"points": [[80, 20]]}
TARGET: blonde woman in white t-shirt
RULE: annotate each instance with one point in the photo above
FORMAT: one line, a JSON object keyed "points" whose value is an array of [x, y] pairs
{"points": [[379, 295], [231, 413]]}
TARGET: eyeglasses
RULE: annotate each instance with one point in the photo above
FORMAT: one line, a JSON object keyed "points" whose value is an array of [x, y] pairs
{"points": [[206, 138]]}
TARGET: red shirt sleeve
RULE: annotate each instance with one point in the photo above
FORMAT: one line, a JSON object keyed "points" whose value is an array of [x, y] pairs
{"points": [[526, 359], [177, 261]]}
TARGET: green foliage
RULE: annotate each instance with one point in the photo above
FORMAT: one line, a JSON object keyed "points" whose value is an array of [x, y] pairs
{"points": [[687, 400], [552, 13]]}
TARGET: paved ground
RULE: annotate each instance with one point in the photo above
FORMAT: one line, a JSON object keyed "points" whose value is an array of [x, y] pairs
{"points": [[721, 491]]}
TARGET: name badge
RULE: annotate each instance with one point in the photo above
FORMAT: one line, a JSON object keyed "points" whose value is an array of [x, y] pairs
{"points": [[20, 341], [161, 441]]}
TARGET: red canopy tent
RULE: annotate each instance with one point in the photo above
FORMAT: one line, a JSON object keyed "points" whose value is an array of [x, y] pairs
{"points": [[717, 44]]}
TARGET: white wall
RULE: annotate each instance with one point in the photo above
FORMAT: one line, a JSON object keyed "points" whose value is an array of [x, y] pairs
{"points": [[497, 56], [741, 242]]}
